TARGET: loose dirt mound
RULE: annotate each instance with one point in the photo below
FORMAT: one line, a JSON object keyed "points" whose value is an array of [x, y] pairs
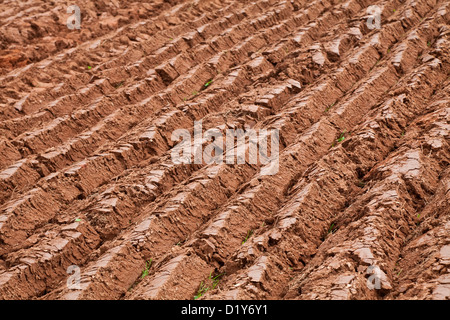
{"points": [[86, 175]]}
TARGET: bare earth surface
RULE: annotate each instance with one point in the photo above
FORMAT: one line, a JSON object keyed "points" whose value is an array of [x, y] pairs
{"points": [[87, 179]]}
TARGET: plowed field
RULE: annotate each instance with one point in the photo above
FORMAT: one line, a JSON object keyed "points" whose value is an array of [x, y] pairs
{"points": [[87, 178]]}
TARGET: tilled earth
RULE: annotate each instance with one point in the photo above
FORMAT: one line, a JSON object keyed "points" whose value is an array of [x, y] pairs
{"points": [[87, 178]]}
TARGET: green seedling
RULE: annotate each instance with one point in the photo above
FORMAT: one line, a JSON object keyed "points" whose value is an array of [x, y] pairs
{"points": [[331, 229], [394, 10], [146, 270], [329, 107], [429, 43], [171, 39], [341, 137], [201, 291], [208, 83], [119, 84], [361, 184], [78, 220], [249, 234], [203, 288], [179, 243], [216, 280], [89, 67], [403, 133]]}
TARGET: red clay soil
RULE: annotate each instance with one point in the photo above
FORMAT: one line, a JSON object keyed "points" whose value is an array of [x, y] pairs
{"points": [[87, 178]]}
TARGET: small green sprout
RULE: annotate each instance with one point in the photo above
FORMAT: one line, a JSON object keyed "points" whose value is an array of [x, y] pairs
{"points": [[78, 220], [89, 67], [201, 291], [203, 288], [331, 229], [329, 107], [361, 184], [249, 234], [208, 83], [119, 84], [146, 271], [341, 137]]}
